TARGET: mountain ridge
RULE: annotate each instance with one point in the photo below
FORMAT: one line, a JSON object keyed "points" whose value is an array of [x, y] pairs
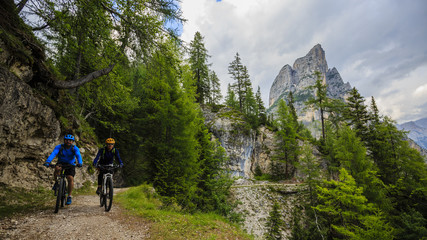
{"points": [[417, 131], [298, 78]]}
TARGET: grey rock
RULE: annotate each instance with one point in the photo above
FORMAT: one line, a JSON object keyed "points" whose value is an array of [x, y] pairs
{"points": [[298, 78]]}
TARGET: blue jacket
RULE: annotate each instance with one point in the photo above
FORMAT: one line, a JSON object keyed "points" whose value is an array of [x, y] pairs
{"points": [[66, 155], [108, 157]]}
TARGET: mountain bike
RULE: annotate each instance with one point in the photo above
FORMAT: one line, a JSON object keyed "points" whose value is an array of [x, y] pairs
{"points": [[61, 185], [106, 195]]}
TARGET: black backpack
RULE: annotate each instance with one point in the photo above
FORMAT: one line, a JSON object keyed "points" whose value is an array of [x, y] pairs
{"points": [[61, 150]]}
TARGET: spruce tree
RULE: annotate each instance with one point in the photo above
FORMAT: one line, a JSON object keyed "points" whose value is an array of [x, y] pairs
{"points": [[214, 89], [287, 149], [274, 224], [348, 212], [319, 100], [357, 114], [231, 99], [239, 73], [168, 125], [260, 108], [310, 168], [199, 66]]}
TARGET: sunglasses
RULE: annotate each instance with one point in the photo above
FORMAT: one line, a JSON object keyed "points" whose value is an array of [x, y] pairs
{"points": [[110, 144]]}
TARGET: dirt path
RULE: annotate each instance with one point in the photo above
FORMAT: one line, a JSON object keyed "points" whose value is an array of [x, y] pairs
{"points": [[83, 219]]}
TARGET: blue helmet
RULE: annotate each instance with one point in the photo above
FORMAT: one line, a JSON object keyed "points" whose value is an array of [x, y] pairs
{"points": [[69, 136]]}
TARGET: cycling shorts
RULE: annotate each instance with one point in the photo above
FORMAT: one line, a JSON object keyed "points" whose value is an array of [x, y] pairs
{"points": [[71, 171]]}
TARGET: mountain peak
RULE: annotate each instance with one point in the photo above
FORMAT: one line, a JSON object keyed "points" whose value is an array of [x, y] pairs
{"points": [[315, 60], [298, 78]]}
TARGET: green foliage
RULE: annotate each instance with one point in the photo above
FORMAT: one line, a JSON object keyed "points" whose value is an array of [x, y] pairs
{"points": [[412, 225], [214, 184], [258, 171], [309, 166], [274, 224], [348, 212], [356, 113], [19, 200], [320, 100], [169, 123], [199, 67], [144, 201], [287, 149]]}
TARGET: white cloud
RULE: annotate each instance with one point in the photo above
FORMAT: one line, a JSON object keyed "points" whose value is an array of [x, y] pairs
{"points": [[377, 46]]}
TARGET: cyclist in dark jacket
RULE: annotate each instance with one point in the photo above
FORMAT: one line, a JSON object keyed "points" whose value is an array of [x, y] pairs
{"points": [[67, 153], [106, 156]]}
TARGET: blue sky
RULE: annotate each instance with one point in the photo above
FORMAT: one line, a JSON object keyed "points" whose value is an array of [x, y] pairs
{"points": [[377, 46]]}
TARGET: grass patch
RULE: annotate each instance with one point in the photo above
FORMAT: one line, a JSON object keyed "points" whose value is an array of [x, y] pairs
{"points": [[169, 222], [264, 177], [19, 200], [88, 188], [23, 201]]}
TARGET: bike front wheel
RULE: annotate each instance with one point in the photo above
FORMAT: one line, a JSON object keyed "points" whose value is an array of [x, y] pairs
{"points": [[101, 199], [64, 191], [109, 194], [59, 190]]}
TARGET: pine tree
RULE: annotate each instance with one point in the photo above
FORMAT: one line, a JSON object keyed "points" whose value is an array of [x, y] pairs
{"points": [[199, 66], [310, 168], [348, 212], [240, 75], [287, 149], [356, 113], [215, 89], [260, 109], [320, 100], [230, 98], [274, 224], [214, 183], [168, 125]]}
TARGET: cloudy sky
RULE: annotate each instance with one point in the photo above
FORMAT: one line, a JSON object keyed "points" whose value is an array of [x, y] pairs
{"points": [[378, 46]]}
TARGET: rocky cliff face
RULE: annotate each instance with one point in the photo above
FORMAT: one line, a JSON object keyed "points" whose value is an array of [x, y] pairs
{"points": [[296, 79], [29, 129], [245, 148]]}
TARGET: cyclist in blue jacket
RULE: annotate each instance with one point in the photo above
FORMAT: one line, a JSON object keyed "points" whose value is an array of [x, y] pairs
{"points": [[106, 156], [67, 153]]}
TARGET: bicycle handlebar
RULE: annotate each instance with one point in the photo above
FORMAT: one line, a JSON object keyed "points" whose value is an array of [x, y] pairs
{"points": [[62, 165], [108, 167]]}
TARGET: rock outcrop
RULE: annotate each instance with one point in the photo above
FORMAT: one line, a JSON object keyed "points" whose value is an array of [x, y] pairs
{"points": [[256, 202], [29, 130], [296, 79], [245, 147]]}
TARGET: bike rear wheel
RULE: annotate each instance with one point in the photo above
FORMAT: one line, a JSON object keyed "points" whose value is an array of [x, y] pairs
{"points": [[109, 194]]}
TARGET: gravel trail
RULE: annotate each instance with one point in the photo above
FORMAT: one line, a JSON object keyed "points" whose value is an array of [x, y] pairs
{"points": [[83, 219]]}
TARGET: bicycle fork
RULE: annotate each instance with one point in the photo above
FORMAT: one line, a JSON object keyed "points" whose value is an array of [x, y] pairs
{"points": [[104, 180]]}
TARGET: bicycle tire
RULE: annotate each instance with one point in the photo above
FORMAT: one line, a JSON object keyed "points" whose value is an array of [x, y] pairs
{"points": [[58, 195], [109, 194], [101, 199], [64, 191]]}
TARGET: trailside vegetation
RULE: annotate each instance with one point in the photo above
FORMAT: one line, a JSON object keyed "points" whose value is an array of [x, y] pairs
{"points": [[120, 73]]}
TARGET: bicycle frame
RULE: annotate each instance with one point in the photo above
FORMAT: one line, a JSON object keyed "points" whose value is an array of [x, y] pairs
{"points": [[61, 185], [106, 196], [104, 181]]}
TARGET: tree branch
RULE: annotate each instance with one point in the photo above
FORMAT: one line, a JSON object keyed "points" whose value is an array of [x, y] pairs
{"points": [[83, 80], [21, 5]]}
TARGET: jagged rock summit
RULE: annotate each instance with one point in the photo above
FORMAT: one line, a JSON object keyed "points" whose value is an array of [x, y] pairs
{"points": [[301, 76]]}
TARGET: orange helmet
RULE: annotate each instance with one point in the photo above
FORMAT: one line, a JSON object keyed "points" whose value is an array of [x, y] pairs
{"points": [[110, 140]]}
